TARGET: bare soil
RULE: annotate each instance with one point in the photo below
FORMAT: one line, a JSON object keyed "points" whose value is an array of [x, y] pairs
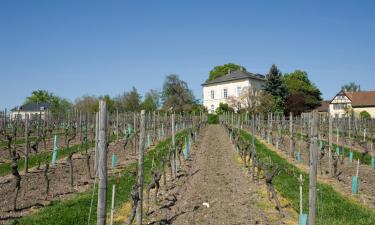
{"points": [[366, 182], [212, 175], [32, 194]]}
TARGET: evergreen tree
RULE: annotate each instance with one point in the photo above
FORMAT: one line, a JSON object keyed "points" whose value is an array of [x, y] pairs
{"points": [[275, 86]]}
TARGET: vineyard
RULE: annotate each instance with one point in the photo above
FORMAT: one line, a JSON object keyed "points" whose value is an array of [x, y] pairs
{"points": [[168, 168], [54, 168]]}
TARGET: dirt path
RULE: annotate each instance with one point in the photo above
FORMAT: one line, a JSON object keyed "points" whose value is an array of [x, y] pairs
{"points": [[214, 177]]}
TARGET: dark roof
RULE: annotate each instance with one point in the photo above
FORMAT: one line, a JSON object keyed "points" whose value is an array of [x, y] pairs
{"points": [[324, 106], [33, 107], [236, 75], [360, 98]]}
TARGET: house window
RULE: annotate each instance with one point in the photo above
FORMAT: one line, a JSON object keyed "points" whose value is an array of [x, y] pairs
{"points": [[212, 108], [238, 91], [212, 94], [225, 93]]}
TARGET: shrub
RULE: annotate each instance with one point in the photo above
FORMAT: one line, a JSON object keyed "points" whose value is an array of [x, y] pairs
{"points": [[213, 119], [365, 115]]}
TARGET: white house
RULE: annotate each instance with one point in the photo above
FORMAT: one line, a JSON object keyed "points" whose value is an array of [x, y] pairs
{"points": [[29, 109], [357, 101], [229, 86]]}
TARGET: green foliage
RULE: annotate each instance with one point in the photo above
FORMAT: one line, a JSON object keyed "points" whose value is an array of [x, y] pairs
{"points": [[365, 115], [222, 70], [5, 168], [303, 95], [275, 86], [212, 119], [197, 108], [334, 209], [129, 101], [58, 104], [151, 101], [87, 103], [39, 96], [351, 87], [223, 107], [109, 101], [177, 95]]}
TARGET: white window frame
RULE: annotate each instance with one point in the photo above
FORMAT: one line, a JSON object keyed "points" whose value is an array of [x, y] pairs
{"points": [[212, 94], [238, 91], [225, 93]]}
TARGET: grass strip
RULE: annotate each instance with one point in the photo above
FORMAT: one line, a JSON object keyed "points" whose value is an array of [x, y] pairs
{"points": [[332, 207]]}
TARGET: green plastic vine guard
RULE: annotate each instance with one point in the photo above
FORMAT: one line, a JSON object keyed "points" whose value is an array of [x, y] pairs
{"points": [[114, 160], [302, 219], [337, 150], [321, 146], [351, 156], [373, 163], [55, 148], [148, 140], [355, 185], [298, 157]]}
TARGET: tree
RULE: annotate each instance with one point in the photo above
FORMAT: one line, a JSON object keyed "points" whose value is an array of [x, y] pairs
{"points": [[151, 101], [177, 95], [351, 87], [58, 104], [267, 103], [365, 115], [275, 86], [39, 96], [110, 103], [250, 98], [222, 70], [223, 107], [87, 103], [303, 95], [129, 101]]}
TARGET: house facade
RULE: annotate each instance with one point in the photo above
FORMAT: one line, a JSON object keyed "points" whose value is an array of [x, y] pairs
{"points": [[31, 109], [229, 86], [357, 101]]}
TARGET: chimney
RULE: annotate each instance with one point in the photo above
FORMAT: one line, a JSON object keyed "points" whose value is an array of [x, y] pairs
{"points": [[228, 71]]}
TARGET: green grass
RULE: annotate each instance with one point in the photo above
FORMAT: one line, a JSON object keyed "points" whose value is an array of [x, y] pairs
{"points": [[212, 119], [75, 211], [356, 154], [19, 141], [5, 168], [332, 207]]}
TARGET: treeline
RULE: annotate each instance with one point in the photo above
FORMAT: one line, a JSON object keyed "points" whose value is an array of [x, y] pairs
{"points": [[175, 95], [282, 93]]}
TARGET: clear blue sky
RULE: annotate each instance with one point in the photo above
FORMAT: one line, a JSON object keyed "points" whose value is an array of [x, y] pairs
{"points": [[75, 47]]}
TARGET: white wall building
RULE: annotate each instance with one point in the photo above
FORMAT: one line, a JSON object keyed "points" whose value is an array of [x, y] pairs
{"points": [[31, 109], [356, 101], [229, 86]]}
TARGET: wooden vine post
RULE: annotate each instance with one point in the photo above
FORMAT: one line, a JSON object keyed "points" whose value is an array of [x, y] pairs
{"points": [[26, 143], [314, 154], [291, 140], [102, 165], [141, 146], [174, 170], [330, 145], [96, 162]]}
